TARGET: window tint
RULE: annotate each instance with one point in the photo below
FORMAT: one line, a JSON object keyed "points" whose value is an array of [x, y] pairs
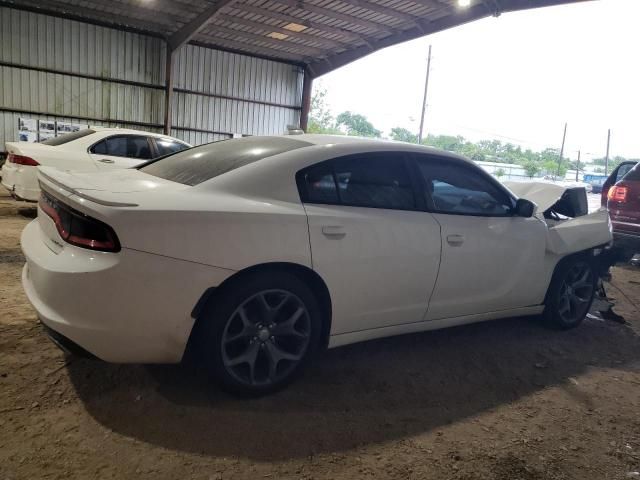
{"points": [[68, 137], [633, 175], [319, 184], [626, 168], [132, 146], [378, 180], [198, 164], [458, 189], [167, 146]]}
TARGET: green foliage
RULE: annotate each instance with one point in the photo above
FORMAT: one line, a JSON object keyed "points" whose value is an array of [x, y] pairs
{"points": [[320, 118], [403, 135], [499, 173], [357, 125], [531, 168]]}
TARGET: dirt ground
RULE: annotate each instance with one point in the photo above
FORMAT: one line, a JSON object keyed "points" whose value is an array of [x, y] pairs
{"points": [[501, 400]]}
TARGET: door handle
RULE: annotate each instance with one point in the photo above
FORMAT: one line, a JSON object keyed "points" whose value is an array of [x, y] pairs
{"points": [[106, 160], [335, 231], [455, 240]]}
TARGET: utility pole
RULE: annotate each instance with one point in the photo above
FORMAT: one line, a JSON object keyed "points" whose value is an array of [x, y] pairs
{"points": [[424, 99], [578, 166], [564, 136], [606, 158]]}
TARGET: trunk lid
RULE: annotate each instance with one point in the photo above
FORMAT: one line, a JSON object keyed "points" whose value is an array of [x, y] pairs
{"points": [[115, 188]]}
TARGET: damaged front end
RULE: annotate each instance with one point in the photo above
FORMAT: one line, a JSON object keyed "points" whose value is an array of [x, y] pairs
{"points": [[571, 228]]}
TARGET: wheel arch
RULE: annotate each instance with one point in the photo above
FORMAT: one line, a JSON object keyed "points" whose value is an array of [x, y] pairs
{"points": [[305, 274], [582, 254]]}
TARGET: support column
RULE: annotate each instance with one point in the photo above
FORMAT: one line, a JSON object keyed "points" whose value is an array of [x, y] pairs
{"points": [[168, 91], [307, 85]]}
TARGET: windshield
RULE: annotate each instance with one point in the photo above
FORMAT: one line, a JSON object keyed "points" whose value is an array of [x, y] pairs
{"points": [[198, 164]]}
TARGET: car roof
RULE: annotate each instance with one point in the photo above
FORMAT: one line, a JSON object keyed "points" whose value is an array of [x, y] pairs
{"points": [[364, 142], [130, 131]]}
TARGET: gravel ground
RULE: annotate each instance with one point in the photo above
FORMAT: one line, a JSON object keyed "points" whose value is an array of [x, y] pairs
{"points": [[501, 400]]}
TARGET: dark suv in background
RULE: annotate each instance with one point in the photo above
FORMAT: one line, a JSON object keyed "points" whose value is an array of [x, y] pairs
{"points": [[621, 195]]}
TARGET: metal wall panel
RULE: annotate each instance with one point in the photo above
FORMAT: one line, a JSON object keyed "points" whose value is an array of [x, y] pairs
{"points": [[222, 88], [45, 62]]}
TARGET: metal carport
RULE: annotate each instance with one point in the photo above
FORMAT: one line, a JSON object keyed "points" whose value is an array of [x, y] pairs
{"points": [[317, 36]]}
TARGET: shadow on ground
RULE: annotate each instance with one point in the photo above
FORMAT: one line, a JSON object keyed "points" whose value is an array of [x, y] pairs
{"points": [[361, 394]]}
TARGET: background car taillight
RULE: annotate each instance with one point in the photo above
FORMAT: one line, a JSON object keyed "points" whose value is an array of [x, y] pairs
{"points": [[21, 160], [618, 193], [77, 228]]}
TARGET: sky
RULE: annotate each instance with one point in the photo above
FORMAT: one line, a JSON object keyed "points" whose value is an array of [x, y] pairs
{"points": [[516, 78]]}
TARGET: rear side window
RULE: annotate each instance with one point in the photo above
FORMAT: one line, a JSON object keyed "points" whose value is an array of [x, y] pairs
{"points": [[68, 137], [198, 164], [131, 146], [628, 172], [377, 180], [167, 146]]}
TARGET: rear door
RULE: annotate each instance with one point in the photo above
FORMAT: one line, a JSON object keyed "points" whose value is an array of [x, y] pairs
{"points": [[491, 260], [122, 151], [371, 242]]}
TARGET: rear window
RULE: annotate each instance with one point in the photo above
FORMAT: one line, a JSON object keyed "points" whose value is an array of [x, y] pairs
{"points": [[68, 137], [199, 164], [633, 175]]}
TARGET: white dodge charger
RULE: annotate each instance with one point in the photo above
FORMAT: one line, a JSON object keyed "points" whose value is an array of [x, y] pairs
{"points": [[90, 150], [259, 251]]}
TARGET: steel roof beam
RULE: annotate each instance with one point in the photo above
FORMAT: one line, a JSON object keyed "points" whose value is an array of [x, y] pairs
{"points": [[190, 30]]}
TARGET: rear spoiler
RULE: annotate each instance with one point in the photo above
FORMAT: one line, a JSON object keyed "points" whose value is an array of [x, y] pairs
{"points": [[44, 178]]}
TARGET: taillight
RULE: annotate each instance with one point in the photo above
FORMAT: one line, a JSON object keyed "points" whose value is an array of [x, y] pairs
{"points": [[618, 193], [77, 228], [21, 160]]}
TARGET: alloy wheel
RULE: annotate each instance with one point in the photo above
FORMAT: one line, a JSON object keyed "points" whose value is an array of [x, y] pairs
{"points": [[266, 337], [576, 293]]}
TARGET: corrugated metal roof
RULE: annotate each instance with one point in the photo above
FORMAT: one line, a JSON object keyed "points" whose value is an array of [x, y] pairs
{"points": [[323, 34]]}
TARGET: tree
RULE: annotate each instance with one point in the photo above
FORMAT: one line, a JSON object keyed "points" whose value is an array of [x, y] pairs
{"points": [[499, 173], [531, 169], [357, 125], [320, 118], [403, 135]]}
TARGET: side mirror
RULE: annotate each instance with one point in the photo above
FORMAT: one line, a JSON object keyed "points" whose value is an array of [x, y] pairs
{"points": [[524, 208]]}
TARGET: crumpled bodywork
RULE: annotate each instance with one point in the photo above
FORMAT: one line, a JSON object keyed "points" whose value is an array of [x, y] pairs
{"points": [[565, 235]]}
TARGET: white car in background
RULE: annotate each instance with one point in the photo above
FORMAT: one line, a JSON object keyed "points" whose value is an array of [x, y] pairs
{"points": [[88, 150], [258, 251]]}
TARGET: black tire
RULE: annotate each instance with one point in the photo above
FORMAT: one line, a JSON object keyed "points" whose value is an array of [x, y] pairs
{"points": [[570, 293], [241, 309]]}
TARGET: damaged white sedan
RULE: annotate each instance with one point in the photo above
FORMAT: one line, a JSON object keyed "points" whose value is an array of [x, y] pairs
{"points": [[258, 251]]}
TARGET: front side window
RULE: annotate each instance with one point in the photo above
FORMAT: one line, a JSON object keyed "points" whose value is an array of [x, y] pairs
{"points": [[167, 146], [455, 188], [375, 180], [131, 146]]}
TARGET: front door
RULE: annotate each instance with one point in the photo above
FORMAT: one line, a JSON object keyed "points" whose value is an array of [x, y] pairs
{"points": [[491, 259]]}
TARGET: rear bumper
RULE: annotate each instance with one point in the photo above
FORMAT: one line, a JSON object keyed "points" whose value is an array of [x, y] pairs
{"points": [[126, 307], [21, 181], [626, 241], [64, 343]]}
